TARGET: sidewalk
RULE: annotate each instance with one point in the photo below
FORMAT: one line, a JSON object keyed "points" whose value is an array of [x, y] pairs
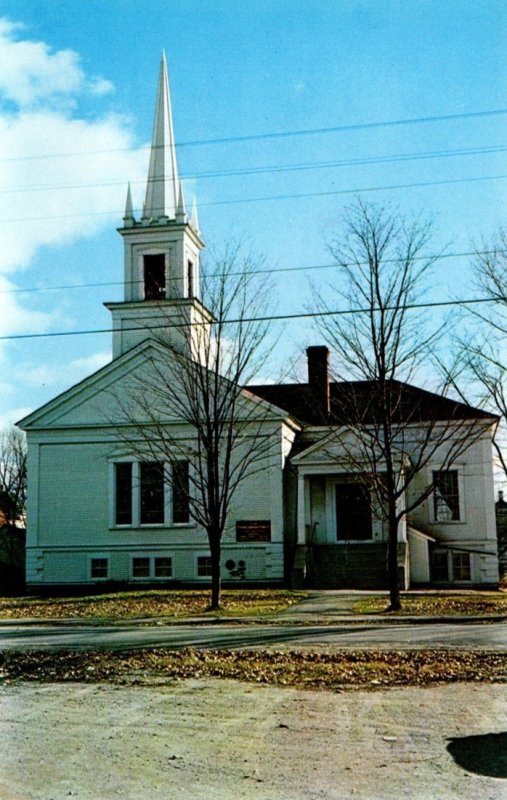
{"points": [[320, 607]]}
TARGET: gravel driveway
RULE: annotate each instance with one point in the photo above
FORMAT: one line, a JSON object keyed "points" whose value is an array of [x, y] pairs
{"points": [[201, 740]]}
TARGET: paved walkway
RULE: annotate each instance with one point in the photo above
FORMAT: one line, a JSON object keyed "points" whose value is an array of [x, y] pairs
{"points": [[320, 607], [331, 606]]}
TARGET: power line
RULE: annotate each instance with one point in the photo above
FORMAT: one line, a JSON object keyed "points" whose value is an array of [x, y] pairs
{"points": [[281, 134], [278, 168], [296, 196], [353, 191], [271, 318], [260, 271]]}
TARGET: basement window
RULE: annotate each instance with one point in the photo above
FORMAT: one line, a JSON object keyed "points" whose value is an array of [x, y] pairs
{"points": [[203, 566], [439, 568], [140, 567], [154, 277], [451, 567], [461, 566], [163, 567], [99, 568], [149, 567]]}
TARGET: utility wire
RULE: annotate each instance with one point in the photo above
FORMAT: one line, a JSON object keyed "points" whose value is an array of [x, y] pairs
{"points": [[260, 271], [244, 320], [298, 196], [282, 134], [277, 168]]}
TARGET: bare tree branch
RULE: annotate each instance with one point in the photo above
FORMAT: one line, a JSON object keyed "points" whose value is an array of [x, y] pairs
{"points": [[193, 406], [381, 260]]}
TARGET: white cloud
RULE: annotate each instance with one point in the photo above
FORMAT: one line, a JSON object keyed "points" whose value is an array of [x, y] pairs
{"points": [[13, 415], [100, 86], [16, 319], [66, 374], [62, 176], [30, 73]]}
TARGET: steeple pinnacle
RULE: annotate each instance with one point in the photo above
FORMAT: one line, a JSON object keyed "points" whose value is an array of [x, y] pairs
{"points": [[128, 217], [181, 214], [162, 188], [194, 219]]}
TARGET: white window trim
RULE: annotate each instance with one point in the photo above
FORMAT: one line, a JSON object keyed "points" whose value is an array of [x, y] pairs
{"points": [[461, 491], [136, 499], [197, 556], [106, 557], [151, 251], [152, 577]]}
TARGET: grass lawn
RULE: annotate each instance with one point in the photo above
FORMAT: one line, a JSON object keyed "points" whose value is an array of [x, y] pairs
{"points": [[149, 603], [441, 604]]}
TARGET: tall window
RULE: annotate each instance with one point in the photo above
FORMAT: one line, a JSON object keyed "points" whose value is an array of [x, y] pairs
{"points": [[181, 512], [446, 496], [151, 477], [154, 277], [190, 278], [123, 493], [139, 493]]}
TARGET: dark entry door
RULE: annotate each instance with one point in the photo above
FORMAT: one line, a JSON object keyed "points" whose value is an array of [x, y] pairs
{"points": [[353, 512]]}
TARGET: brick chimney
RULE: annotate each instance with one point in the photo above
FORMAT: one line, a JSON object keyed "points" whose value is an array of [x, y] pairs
{"points": [[318, 377]]}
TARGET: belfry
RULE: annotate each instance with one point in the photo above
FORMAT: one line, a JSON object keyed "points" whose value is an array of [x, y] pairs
{"points": [[161, 250]]}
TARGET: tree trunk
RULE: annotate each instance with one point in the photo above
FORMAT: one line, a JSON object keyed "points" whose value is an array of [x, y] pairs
{"points": [[215, 550], [392, 562]]}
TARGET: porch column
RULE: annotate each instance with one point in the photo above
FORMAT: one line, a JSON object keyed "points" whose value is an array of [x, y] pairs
{"points": [[301, 520]]}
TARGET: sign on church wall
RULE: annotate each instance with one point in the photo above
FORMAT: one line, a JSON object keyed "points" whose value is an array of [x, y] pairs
{"points": [[253, 531]]}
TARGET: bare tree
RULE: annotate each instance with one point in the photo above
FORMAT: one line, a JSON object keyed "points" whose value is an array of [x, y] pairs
{"points": [[481, 358], [190, 411], [385, 343], [480, 365], [12, 498]]}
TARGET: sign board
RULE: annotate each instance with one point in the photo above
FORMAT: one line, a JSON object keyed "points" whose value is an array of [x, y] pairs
{"points": [[253, 531]]}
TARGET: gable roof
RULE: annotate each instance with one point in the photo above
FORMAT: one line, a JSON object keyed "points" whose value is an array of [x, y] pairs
{"points": [[77, 406], [354, 401]]}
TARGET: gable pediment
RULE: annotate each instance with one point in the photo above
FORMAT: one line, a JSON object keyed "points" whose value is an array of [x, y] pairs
{"points": [[340, 447], [126, 389]]}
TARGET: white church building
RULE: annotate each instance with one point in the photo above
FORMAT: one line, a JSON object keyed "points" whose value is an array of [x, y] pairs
{"points": [[97, 514]]}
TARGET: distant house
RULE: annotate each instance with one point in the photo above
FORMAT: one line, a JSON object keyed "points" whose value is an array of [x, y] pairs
{"points": [[97, 513], [12, 553]]}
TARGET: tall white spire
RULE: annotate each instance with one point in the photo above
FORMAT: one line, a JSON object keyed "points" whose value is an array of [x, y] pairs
{"points": [[162, 187]]}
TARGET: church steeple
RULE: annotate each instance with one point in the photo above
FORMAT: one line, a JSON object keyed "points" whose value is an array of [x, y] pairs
{"points": [[163, 186], [161, 252]]}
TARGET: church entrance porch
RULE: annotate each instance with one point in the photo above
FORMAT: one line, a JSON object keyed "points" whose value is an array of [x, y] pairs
{"points": [[342, 541]]}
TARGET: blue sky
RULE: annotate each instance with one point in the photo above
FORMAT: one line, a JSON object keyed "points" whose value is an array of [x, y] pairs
{"points": [[77, 89]]}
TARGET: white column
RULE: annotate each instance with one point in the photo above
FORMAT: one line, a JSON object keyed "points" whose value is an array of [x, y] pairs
{"points": [[301, 529]]}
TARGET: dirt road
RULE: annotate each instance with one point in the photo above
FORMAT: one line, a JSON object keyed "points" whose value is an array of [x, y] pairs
{"points": [[204, 740]]}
